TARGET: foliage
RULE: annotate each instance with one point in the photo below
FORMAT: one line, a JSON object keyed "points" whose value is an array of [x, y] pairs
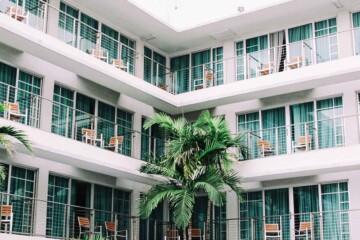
{"points": [[8, 145], [196, 159]]}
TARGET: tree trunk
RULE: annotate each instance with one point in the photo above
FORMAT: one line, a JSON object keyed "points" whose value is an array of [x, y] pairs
{"points": [[189, 229], [208, 218], [184, 234]]}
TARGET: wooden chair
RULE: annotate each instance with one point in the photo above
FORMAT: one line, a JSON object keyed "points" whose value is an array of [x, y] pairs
{"points": [[17, 13], [172, 234], [6, 217], [272, 231], [84, 227], [266, 69], [295, 62], [119, 63], [305, 231], [196, 233], [99, 54], [115, 144], [89, 136], [303, 144], [13, 112], [113, 233], [264, 148]]}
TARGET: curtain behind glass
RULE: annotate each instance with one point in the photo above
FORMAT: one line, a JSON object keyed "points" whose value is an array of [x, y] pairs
{"points": [[306, 207], [22, 187], [274, 130], [122, 206], [106, 121], [180, 67], [68, 24], [200, 212], [102, 205], [218, 66], [147, 65], [7, 77], [251, 213], [302, 121], [277, 50], [125, 125], [85, 114], [240, 61], [330, 124], [356, 25], [199, 63], [326, 40], [298, 36], [250, 124], [62, 112], [58, 193], [276, 205], [128, 52], [88, 33], [256, 48], [145, 141], [335, 203], [109, 41]]}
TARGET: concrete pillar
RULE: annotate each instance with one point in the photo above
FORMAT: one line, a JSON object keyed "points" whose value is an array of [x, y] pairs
{"points": [[41, 204], [230, 62], [135, 222], [53, 17], [232, 212], [345, 39], [139, 60], [351, 124], [354, 195], [137, 135], [46, 103]]}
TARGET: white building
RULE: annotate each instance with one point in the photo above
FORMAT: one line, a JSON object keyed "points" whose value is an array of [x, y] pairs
{"points": [[287, 72]]}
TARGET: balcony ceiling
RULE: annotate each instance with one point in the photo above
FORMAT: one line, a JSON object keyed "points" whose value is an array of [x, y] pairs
{"points": [[139, 23]]}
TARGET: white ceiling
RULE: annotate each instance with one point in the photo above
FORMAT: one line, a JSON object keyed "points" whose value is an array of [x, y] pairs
{"points": [[139, 23]]}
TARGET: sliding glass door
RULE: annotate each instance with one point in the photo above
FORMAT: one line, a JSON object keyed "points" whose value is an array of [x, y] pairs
{"points": [[200, 62], [62, 112], [326, 40], [68, 24], [180, 68], [356, 25], [301, 47], [251, 216], [250, 124], [257, 54], [106, 121]]}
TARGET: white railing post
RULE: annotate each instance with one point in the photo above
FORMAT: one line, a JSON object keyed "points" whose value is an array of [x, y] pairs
{"points": [[67, 122], [277, 140], [45, 17]]}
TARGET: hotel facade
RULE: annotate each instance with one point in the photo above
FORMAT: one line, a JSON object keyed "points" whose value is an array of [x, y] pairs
{"points": [[80, 78]]}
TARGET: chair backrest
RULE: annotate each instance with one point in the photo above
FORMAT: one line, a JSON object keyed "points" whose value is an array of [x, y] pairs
{"points": [[15, 10], [196, 232], [12, 107], [88, 132], [296, 59], [110, 226], [6, 210], [118, 62], [172, 234], [271, 228], [305, 226], [84, 222], [97, 52], [119, 139], [304, 139], [264, 144]]}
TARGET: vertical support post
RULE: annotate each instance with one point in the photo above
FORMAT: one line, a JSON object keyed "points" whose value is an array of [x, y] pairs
{"points": [[277, 140]]}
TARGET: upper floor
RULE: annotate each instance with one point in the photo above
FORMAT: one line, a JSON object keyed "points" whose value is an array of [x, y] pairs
{"points": [[262, 55]]}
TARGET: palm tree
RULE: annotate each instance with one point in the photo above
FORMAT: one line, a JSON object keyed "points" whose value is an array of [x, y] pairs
{"points": [[8, 145], [203, 145]]}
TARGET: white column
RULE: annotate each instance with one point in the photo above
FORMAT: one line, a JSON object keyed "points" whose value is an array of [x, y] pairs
{"points": [[41, 205], [345, 40], [354, 195], [137, 136], [139, 60], [230, 62], [351, 124], [46, 103], [232, 212], [53, 17], [135, 222]]}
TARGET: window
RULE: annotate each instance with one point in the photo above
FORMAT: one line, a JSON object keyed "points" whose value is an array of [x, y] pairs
{"points": [[154, 67], [125, 125], [21, 182], [330, 123], [240, 61], [62, 113], [250, 208], [180, 68], [356, 25], [326, 40], [250, 124], [68, 24], [106, 121], [24, 88], [88, 33], [152, 142], [110, 42], [128, 52], [85, 111]]}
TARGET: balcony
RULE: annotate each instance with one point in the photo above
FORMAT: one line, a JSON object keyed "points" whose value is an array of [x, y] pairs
{"points": [[246, 66], [53, 220]]}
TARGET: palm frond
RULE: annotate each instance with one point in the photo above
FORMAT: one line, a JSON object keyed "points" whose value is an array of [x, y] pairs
{"points": [[183, 203], [17, 134]]}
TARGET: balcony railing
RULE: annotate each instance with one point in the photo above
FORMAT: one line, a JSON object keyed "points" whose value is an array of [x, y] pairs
{"points": [[303, 137], [30, 214], [107, 48], [78, 125]]}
